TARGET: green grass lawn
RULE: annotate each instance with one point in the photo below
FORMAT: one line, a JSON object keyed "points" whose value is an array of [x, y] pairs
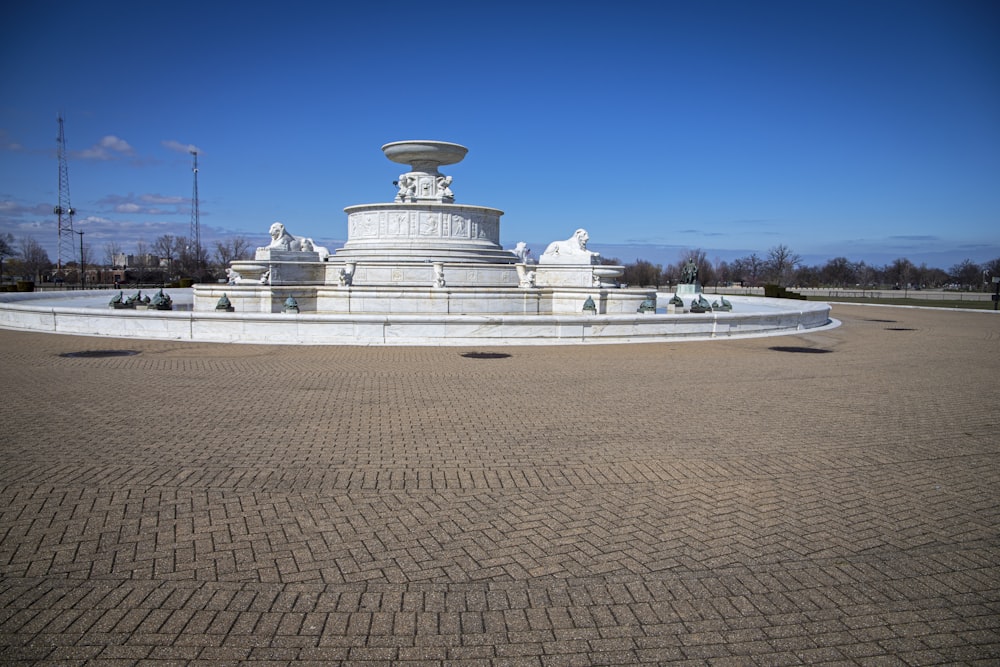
{"points": [[927, 303]]}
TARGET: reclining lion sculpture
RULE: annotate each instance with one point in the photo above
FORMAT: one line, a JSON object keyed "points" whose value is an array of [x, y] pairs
{"points": [[281, 239], [571, 251]]}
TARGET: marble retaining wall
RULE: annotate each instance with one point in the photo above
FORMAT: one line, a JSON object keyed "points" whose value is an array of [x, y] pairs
{"points": [[32, 314]]}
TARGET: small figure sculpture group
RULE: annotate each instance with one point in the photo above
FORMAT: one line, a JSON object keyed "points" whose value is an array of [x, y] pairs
{"points": [[701, 305], [407, 187], [407, 184], [121, 301], [160, 301], [724, 305]]}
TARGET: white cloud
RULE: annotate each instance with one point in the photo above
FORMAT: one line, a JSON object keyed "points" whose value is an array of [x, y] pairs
{"points": [[181, 148], [116, 144], [145, 204], [108, 148], [10, 209], [161, 199]]}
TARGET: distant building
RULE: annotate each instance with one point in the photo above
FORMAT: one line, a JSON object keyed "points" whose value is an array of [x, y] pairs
{"points": [[146, 260]]}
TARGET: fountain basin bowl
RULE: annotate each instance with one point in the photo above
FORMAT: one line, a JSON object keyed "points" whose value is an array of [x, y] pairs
{"points": [[607, 272], [424, 151]]}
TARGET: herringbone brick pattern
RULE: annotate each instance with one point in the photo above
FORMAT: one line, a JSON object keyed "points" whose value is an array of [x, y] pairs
{"points": [[691, 503]]}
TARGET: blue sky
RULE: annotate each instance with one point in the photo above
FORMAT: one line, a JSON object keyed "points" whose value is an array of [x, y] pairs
{"points": [[869, 129]]}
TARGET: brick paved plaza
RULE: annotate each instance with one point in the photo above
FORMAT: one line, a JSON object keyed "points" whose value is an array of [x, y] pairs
{"points": [[834, 500]]}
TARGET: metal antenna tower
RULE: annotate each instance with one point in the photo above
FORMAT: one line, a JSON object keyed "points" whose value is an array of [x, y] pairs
{"points": [[195, 216], [63, 208]]}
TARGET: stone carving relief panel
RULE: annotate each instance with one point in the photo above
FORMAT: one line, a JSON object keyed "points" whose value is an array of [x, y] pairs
{"points": [[485, 227], [430, 224], [364, 225], [398, 224], [459, 226]]}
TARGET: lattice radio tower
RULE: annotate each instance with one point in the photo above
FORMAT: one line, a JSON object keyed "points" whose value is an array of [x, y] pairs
{"points": [[63, 209], [195, 236]]}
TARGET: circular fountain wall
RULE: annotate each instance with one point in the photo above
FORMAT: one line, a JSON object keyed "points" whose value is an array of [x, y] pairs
{"points": [[87, 313]]}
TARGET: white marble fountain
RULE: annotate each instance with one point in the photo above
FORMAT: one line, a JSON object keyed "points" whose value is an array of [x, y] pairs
{"points": [[420, 270]]}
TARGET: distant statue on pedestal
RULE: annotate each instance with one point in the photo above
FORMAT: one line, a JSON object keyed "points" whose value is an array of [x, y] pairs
{"points": [[689, 274]]}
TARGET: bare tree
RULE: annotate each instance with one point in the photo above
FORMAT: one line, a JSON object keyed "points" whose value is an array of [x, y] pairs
{"points": [[112, 253], [781, 263], [188, 260], [34, 258], [164, 246], [169, 249], [7, 246], [723, 272], [967, 273], [992, 267], [6, 250], [141, 266], [642, 273], [839, 272], [807, 276], [866, 275], [231, 249], [899, 272], [935, 277], [748, 270]]}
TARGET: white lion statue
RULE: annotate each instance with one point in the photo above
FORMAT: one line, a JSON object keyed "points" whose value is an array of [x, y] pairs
{"points": [[282, 240], [571, 251]]}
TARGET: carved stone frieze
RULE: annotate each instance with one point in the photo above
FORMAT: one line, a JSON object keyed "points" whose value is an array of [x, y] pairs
{"points": [[396, 222]]}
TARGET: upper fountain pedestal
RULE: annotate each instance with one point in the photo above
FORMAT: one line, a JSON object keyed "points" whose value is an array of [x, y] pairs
{"points": [[423, 224], [424, 183]]}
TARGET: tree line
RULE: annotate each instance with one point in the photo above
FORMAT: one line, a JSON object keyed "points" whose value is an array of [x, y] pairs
{"points": [[166, 259], [169, 258], [781, 266]]}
